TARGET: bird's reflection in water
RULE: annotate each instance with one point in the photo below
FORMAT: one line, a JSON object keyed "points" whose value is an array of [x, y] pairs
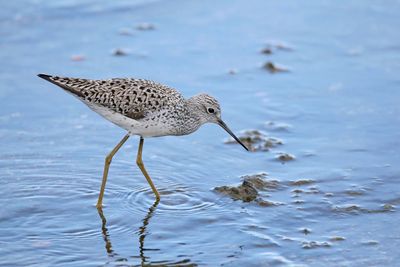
{"points": [[145, 261], [105, 233], [142, 234], [142, 230]]}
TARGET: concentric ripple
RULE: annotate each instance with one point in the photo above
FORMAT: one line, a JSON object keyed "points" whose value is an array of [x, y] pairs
{"points": [[176, 198]]}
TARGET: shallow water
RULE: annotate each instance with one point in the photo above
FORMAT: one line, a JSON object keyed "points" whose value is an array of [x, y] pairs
{"points": [[336, 110]]}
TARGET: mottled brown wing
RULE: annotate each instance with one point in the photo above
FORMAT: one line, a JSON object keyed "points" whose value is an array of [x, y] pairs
{"points": [[133, 98]]}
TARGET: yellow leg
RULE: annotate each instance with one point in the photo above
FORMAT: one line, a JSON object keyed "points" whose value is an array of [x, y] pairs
{"points": [[139, 162], [106, 167]]}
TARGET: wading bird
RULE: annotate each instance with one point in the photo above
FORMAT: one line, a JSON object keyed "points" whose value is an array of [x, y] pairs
{"points": [[143, 108]]}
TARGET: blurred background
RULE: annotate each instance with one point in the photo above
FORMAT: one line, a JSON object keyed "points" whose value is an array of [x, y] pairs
{"points": [[320, 77]]}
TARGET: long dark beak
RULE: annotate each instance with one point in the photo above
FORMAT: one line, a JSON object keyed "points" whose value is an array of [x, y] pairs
{"points": [[225, 127]]}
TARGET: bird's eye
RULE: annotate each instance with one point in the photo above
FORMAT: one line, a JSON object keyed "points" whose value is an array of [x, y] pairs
{"points": [[210, 110]]}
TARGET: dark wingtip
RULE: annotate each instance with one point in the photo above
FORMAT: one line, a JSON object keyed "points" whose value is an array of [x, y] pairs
{"points": [[55, 80], [44, 76]]}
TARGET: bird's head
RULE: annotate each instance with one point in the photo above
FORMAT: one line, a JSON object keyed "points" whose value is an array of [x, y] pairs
{"points": [[209, 110]]}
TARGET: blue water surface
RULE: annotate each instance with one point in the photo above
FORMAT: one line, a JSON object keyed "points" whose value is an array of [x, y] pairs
{"points": [[337, 110]]}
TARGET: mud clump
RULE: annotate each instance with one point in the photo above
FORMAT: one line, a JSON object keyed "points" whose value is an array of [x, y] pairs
{"points": [[285, 157], [297, 191], [266, 203], [259, 182], [272, 46], [305, 231], [245, 192], [356, 209], [353, 209], [355, 192], [337, 238], [249, 189], [315, 244], [273, 68], [233, 71], [302, 182], [370, 243], [312, 190], [256, 140], [119, 52], [266, 51], [384, 208], [388, 207]]}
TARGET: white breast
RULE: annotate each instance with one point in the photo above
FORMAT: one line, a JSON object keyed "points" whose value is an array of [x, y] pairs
{"points": [[134, 127]]}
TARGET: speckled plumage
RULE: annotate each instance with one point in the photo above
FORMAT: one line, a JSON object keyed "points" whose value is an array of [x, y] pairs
{"points": [[142, 107]]}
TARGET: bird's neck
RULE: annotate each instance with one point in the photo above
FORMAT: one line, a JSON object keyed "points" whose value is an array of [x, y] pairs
{"points": [[191, 118]]}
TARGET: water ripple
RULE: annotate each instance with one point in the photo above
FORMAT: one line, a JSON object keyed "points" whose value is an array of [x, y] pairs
{"points": [[176, 199]]}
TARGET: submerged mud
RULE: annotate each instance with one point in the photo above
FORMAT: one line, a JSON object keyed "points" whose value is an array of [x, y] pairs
{"points": [[250, 189], [256, 140]]}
